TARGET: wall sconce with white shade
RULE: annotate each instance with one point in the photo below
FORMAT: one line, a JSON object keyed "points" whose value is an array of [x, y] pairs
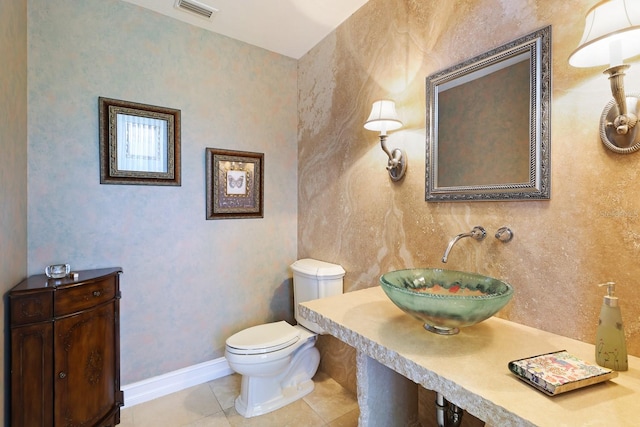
{"points": [[612, 34], [384, 118]]}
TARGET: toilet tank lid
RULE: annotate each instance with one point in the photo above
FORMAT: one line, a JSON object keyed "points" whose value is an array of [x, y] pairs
{"points": [[315, 268]]}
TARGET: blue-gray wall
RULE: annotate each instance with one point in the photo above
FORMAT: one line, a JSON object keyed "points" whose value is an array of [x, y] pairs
{"points": [[188, 283]]}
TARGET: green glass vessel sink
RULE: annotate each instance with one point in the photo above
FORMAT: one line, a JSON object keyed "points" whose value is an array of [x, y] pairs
{"points": [[446, 300]]}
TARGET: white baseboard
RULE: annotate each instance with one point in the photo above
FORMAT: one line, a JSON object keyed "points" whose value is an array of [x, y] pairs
{"points": [[152, 388]]}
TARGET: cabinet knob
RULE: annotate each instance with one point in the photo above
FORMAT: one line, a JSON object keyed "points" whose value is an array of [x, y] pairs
{"points": [[97, 293], [62, 375]]}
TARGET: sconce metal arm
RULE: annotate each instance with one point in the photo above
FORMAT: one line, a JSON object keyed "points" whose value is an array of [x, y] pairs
{"points": [[397, 164], [619, 130], [624, 121], [394, 158]]}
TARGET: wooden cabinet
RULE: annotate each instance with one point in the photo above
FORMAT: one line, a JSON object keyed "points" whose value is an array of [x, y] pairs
{"points": [[65, 350]]}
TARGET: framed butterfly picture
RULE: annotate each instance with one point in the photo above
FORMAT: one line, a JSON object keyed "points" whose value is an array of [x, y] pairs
{"points": [[235, 181]]}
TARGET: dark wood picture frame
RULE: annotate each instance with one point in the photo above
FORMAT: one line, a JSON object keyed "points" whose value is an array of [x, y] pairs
{"points": [[139, 143], [235, 184]]}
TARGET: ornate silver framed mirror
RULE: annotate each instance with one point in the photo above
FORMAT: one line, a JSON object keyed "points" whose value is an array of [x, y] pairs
{"points": [[488, 125]]}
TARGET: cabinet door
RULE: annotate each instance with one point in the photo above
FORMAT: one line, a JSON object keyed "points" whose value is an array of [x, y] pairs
{"points": [[31, 375], [85, 366]]}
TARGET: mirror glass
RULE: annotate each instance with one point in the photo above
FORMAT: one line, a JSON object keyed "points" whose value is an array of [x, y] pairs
{"points": [[488, 135]]}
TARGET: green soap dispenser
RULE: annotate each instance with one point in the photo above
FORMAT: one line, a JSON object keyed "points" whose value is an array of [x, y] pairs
{"points": [[611, 349]]}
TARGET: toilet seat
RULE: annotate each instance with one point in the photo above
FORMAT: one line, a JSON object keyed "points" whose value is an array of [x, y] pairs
{"points": [[262, 339]]}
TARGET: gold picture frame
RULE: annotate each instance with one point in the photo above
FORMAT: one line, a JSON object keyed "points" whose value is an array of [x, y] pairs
{"points": [[139, 143], [235, 184]]}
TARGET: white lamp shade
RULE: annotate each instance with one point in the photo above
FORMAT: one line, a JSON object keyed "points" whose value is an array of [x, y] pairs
{"points": [[609, 21], [383, 117]]}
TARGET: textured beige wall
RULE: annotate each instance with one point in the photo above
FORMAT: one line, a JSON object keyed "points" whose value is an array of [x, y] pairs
{"points": [[13, 165], [352, 214]]}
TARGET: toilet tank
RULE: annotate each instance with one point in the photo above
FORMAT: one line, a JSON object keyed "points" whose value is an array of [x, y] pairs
{"points": [[313, 279]]}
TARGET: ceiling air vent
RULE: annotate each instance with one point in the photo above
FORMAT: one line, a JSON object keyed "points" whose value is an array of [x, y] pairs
{"points": [[195, 7]]}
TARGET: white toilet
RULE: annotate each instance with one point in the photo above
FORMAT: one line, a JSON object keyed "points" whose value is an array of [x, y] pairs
{"points": [[277, 360]]}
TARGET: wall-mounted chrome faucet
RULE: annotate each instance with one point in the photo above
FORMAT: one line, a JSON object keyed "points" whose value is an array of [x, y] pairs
{"points": [[478, 233]]}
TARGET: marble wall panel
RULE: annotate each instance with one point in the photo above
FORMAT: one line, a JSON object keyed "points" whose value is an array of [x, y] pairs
{"points": [[351, 213]]}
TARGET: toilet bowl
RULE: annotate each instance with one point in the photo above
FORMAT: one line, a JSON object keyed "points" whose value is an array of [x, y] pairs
{"points": [[277, 374], [277, 361]]}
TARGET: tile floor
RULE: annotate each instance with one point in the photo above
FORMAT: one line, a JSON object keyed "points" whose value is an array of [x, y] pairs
{"points": [[211, 405]]}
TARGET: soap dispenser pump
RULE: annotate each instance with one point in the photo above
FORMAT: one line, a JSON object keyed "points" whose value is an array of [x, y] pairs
{"points": [[611, 349]]}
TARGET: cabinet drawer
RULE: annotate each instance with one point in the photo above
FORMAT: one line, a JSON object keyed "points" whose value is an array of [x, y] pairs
{"points": [[77, 298], [31, 308]]}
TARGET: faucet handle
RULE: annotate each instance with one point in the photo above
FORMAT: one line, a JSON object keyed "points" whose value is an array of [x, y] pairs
{"points": [[504, 234], [478, 233]]}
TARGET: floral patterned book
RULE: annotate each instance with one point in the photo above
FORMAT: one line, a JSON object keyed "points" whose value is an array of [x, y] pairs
{"points": [[559, 372]]}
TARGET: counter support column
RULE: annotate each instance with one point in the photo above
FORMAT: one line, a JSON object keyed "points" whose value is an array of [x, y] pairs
{"points": [[385, 397]]}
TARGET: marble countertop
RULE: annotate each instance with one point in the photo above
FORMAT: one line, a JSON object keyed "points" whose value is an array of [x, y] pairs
{"points": [[470, 369]]}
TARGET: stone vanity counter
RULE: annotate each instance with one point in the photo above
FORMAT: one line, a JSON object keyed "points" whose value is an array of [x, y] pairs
{"points": [[468, 369]]}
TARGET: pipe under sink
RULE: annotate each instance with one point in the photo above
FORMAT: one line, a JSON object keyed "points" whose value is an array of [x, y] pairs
{"points": [[447, 414]]}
